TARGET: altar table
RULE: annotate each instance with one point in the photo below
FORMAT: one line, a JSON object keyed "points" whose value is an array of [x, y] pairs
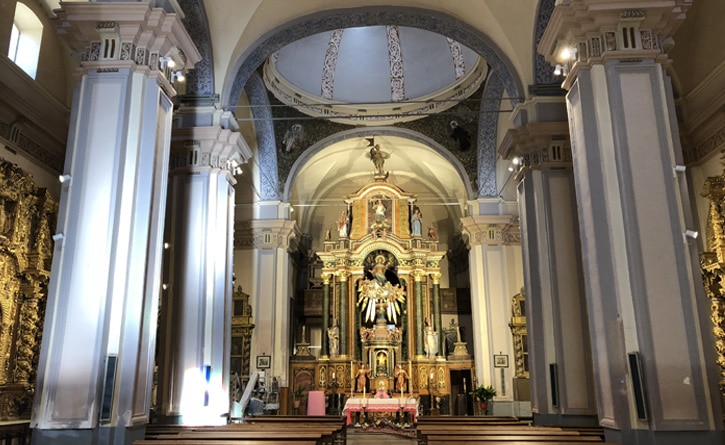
{"points": [[358, 405]]}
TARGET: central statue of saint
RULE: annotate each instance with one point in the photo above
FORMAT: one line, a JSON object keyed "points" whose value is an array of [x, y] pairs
{"points": [[378, 297]]}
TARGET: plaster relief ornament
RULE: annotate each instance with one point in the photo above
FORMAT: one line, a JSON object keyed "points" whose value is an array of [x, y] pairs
{"points": [[378, 298]]}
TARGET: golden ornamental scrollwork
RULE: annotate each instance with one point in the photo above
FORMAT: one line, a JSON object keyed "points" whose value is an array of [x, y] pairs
{"points": [[27, 222], [712, 265]]}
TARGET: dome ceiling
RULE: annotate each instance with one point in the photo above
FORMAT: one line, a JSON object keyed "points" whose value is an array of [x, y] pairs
{"points": [[374, 75]]}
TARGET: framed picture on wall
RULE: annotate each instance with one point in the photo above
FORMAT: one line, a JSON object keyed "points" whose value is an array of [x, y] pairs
{"points": [[264, 361], [501, 361]]}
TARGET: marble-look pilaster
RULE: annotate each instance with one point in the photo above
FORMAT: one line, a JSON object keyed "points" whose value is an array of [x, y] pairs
{"points": [[325, 347], [343, 276]]}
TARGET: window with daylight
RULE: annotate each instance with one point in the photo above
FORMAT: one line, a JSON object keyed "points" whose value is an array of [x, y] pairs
{"points": [[25, 39]]}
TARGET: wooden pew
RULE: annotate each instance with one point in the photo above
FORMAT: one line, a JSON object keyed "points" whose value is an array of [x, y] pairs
{"points": [[320, 430], [515, 442], [271, 441]]}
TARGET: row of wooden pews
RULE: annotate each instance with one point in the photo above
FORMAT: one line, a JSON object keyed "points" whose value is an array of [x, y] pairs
{"points": [[260, 430], [495, 430]]}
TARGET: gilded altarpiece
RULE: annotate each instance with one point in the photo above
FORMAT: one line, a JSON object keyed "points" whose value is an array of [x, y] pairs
{"points": [[383, 293], [28, 216], [712, 263]]}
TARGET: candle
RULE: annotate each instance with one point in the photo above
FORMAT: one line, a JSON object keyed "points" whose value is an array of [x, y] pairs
{"points": [[352, 377], [333, 375], [410, 377]]}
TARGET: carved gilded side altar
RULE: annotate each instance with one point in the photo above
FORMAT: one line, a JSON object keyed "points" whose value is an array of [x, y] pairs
{"points": [[28, 216], [712, 263]]}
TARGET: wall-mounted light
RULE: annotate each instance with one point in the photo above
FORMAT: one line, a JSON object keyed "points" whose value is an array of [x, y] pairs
{"points": [[164, 286], [59, 239], [177, 76], [511, 168], [65, 179], [167, 245], [692, 234]]}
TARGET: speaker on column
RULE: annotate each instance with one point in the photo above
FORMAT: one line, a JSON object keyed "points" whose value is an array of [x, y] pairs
{"points": [[635, 370], [554, 382]]}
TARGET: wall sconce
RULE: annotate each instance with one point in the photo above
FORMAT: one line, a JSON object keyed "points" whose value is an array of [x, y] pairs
{"points": [[166, 62], [177, 76], [65, 179], [59, 239], [693, 234]]}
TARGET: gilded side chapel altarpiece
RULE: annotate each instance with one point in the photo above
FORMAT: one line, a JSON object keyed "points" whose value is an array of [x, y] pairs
{"points": [[712, 263], [28, 216]]}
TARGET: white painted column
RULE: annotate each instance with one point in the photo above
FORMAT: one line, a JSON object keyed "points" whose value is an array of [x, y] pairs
{"points": [[560, 364], [268, 243], [196, 304], [653, 358], [496, 276], [96, 364]]}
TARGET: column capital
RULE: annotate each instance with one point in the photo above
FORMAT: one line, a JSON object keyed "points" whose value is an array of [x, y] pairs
{"points": [[436, 277], [208, 147], [418, 275], [537, 145], [326, 278], [266, 234], [491, 230], [113, 35], [586, 32], [343, 275]]}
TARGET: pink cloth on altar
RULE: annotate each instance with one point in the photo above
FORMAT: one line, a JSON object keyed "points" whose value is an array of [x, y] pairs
{"points": [[316, 403], [380, 394]]}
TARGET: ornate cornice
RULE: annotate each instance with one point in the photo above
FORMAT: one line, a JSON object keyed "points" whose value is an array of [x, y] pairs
{"points": [[204, 147], [538, 144], [265, 234], [598, 30], [116, 35], [491, 230]]}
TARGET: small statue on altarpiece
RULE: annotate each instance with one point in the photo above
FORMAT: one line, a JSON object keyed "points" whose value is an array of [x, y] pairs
{"points": [[401, 378], [362, 376]]}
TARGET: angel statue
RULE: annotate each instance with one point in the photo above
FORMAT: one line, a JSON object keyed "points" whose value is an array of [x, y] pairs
{"points": [[378, 297]]}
